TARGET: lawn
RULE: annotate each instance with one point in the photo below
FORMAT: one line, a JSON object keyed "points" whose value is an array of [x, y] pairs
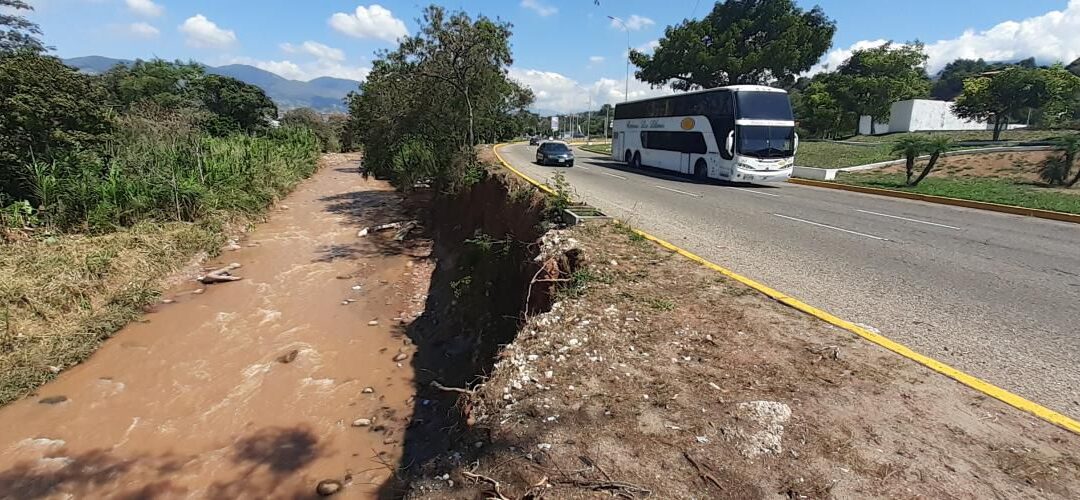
{"points": [[834, 155], [972, 135], [986, 189], [604, 149]]}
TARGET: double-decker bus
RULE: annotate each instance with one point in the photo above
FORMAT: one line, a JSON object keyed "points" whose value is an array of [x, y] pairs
{"points": [[740, 133]]}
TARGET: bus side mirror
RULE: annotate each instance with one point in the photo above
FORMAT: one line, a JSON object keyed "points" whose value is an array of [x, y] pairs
{"points": [[729, 145], [795, 146]]}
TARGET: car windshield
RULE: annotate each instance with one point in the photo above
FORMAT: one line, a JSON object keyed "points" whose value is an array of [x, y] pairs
{"points": [[557, 148], [764, 106], [766, 142]]}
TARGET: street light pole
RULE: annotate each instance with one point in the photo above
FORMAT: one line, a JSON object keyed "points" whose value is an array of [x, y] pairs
{"points": [[626, 88]]}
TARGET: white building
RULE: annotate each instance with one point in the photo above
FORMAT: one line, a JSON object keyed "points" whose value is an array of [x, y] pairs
{"points": [[922, 115]]}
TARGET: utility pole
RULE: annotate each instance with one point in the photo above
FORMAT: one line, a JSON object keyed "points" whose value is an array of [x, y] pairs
{"points": [[588, 124], [626, 88]]}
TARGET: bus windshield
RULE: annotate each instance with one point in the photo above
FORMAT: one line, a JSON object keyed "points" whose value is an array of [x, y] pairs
{"points": [[766, 142], [764, 106]]}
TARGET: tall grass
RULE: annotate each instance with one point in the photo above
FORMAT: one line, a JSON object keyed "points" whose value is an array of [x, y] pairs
{"points": [[163, 175]]}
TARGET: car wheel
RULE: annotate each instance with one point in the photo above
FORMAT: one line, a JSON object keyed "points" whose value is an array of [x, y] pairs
{"points": [[570, 164], [636, 161], [701, 170]]}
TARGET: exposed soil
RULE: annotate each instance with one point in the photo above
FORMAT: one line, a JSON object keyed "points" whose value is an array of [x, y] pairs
{"points": [[1020, 166], [247, 389], [653, 376]]}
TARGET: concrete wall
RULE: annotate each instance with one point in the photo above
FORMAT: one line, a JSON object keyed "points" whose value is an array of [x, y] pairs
{"points": [[922, 115], [864, 126]]}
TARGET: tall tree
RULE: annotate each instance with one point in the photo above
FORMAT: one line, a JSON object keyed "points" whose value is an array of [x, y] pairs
{"points": [[234, 105], [817, 109], [738, 42], [16, 31], [871, 80], [950, 82], [1001, 95]]}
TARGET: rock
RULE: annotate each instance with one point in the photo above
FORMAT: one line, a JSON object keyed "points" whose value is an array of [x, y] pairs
{"points": [[373, 322], [328, 487], [765, 434], [53, 400], [167, 301], [54, 369], [357, 287], [368, 390], [544, 446], [361, 422], [401, 357], [288, 357], [198, 291]]}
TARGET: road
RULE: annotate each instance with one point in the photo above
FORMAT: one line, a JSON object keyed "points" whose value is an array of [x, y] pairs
{"points": [[996, 295]]}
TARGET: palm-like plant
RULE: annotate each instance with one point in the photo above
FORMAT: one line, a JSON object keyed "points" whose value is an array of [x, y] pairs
{"points": [[1070, 147], [909, 148], [935, 148], [1056, 169]]}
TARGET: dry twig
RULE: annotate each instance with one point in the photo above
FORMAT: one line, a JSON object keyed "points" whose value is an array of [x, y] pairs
{"points": [[441, 387], [221, 275], [705, 475], [494, 484]]}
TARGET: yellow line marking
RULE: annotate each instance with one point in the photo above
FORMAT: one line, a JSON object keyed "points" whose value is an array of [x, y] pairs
{"points": [[971, 381]]}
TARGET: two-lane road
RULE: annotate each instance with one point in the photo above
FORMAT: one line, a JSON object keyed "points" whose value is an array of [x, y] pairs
{"points": [[993, 294]]}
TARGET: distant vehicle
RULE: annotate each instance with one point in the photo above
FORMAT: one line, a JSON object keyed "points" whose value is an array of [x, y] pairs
{"points": [[534, 140], [554, 153], [740, 133]]}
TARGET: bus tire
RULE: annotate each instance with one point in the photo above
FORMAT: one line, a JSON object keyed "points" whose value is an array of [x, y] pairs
{"points": [[635, 162], [701, 170], [628, 156]]}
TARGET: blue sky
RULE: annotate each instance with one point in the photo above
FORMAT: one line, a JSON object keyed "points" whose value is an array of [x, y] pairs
{"points": [[568, 51]]}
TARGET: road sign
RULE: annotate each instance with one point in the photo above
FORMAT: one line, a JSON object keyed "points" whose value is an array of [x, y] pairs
{"points": [[554, 123]]}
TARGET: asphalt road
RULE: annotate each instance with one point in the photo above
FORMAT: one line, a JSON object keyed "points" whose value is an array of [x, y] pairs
{"points": [[995, 295]]}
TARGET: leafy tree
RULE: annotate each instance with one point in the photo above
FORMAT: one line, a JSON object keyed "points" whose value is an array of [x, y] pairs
{"points": [[910, 148], [950, 82], [818, 110], [1002, 95], [871, 80], [49, 111], [16, 32], [738, 42], [934, 147], [168, 85], [234, 105], [317, 123], [1063, 101], [1055, 170]]}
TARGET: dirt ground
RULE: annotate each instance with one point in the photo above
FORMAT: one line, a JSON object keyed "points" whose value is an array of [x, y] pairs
{"points": [[652, 376], [1019, 166], [249, 389]]}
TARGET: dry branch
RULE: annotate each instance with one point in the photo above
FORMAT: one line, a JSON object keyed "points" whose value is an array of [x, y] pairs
{"points": [[221, 275]]}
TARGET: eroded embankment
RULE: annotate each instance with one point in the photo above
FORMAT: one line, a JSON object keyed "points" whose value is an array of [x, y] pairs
{"points": [[651, 375]]}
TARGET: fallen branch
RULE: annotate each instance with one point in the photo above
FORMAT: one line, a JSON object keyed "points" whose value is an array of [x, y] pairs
{"points": [[441, 387], [494, 484], [403, 226], [614, 487], [705, 475], [221, 275]]}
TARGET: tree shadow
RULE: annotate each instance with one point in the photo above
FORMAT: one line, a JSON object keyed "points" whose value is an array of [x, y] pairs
{"points": [[264, 461], [364, 208]]}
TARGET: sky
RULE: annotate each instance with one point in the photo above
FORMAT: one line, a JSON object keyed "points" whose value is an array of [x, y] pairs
{"points": [[568, 51]]}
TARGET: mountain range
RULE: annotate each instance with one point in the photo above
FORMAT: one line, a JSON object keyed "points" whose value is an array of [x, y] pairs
{"points": [[325, 94]]}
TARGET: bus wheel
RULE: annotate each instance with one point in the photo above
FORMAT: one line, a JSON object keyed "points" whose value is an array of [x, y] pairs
{"points": [[627, 157], [701, 170], [636, 160]]}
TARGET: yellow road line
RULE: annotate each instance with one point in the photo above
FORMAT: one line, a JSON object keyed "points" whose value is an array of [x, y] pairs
{"points": [[896, 347]]}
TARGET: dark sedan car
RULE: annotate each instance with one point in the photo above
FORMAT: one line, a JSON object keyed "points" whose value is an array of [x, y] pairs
{"points": [[554, 153], [534, 140]]}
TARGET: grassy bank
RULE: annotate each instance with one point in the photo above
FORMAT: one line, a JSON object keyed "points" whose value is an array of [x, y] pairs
{"points": [[986, 189], [93, 255], [603, 149]]}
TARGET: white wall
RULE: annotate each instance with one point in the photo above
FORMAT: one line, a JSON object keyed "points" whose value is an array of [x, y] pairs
{"points": [[864, 126], [922, 115]]}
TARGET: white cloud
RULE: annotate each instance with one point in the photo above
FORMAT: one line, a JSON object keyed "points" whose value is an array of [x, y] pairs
{"points": [[633, 23], [648, 47], [542, 9], [595, 60], [369, 22], [316, 50], [561, 94], [142, 30], [204, 34], [145, 8], [1049, 38], [836, 57]]}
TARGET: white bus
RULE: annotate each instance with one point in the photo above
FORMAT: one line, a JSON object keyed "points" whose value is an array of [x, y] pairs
{"points": [[740, 133]]}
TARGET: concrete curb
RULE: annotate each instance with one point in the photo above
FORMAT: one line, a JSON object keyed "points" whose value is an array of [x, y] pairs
{"points": [[956, 202], [971, 381]]}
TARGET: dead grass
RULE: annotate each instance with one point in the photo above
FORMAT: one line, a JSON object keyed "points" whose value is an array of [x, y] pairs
{"points": [[63, 295], [641, 383]]}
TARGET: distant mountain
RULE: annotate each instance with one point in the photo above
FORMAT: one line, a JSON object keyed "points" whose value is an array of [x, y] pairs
{"points": [[324, 93]]}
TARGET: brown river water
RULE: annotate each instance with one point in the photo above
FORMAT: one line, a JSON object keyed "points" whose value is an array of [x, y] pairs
{"points": [[248, 389]]}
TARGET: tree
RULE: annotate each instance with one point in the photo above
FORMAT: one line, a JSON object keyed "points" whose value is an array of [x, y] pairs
{"points": [[818, 110], [1074, 67], [50, 111], [738, 42], [1001, 95], [950, 82], [317, 123], [871, 80], [910, 148], [16, 32], [935, 148], [1055, 170], [165, 84], [234, 105]]}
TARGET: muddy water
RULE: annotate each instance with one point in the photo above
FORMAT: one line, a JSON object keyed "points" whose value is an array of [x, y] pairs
{"points": [[248, 389]]}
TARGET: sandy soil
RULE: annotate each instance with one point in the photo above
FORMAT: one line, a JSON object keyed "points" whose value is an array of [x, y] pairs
{"points": [[655, 377], [1019, 166], [247, 389]]}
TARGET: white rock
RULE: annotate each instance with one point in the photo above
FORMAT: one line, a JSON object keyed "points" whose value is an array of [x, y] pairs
{"points": [[544, 446], [361, 422]]}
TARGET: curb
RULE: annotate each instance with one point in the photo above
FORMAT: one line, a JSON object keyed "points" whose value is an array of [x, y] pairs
{"points": [[956, 202], [971, 381]]}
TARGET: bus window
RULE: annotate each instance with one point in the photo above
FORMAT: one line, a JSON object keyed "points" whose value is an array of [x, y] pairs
{"points": [[683, 142], [764, 106]]}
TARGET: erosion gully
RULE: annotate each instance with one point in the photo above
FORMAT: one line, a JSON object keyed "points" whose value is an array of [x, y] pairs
{"points": [[251, 388]]}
